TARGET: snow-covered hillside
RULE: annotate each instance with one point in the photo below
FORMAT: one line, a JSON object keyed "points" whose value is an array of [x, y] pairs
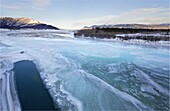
{"points": [[20, 23]]}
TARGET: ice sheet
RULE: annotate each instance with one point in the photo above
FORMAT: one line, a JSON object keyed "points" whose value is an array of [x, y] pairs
{"points": [[84, 74]]}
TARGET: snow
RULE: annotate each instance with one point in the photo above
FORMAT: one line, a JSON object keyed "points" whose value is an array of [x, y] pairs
{"points": [[140, 42], [9, 100], [139, 34]]}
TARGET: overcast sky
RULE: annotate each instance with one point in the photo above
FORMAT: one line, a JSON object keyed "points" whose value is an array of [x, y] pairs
{"points": [[74, 14]]}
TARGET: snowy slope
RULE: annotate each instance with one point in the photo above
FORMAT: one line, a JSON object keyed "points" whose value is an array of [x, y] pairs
{"points": [[19, 23]]}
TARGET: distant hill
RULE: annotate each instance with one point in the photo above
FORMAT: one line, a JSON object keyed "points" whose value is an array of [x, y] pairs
{"points": [[23, 23], [133, 26]]}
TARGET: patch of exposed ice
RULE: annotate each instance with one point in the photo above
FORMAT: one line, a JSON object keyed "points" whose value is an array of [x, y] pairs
{"points": [[148, 89], [141, 75]]}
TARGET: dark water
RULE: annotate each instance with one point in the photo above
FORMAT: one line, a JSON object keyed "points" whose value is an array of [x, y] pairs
{"points": [[32, 93]]}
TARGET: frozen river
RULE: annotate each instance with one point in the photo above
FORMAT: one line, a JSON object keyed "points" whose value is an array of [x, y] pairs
{"points": [[83, 74]]}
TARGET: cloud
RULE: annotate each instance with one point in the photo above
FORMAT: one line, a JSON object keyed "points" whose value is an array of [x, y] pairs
{"points": [[33, 4], [38, 8], [143, 15], [9, 6], [41, 3]]}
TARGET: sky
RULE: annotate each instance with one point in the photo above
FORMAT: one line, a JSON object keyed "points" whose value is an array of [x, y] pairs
{"points": [[75, 14]]}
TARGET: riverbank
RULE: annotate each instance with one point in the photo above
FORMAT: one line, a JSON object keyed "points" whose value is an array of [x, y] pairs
{"points": [[125, 34]]}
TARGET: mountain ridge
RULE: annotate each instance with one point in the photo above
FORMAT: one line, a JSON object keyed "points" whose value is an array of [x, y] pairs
{"points": [[23, 23]]}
